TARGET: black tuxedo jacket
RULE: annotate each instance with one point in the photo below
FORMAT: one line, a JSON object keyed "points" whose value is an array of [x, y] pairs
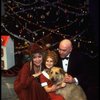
{"points": [[77, 67]]}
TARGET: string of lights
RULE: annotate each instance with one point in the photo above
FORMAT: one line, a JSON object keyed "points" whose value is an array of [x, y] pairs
{"points": [[37, 21]]}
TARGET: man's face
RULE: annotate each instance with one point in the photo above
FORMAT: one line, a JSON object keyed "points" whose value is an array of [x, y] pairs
{"points": [[64, 50]]}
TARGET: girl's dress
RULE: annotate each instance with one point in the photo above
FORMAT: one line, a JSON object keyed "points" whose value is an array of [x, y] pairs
{"points": [[44, 79]]}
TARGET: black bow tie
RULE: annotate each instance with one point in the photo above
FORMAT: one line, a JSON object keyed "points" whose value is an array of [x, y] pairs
{"points": [[65, 58]]}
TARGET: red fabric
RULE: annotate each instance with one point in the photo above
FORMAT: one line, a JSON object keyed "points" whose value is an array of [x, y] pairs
{"points": [[52, 95], [27, 88]]}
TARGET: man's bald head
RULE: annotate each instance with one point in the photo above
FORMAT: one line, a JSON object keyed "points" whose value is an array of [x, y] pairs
{"points": [[65, 47], [66, 43]]}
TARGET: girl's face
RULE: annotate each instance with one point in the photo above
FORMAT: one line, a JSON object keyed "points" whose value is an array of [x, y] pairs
{"points": [[49, 62], [37, 59]]}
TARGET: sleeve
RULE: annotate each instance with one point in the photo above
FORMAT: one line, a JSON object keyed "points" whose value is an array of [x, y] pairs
{"points": [[43, 80]]}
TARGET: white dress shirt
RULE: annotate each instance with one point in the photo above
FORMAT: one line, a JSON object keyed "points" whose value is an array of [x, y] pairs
{"points": [[65, 63]]}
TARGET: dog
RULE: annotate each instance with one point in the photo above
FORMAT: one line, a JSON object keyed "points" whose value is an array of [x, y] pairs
{"points": [[71, 91]]}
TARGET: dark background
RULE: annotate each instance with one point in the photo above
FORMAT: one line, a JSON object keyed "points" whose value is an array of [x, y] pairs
{"points": [[94, 34]]}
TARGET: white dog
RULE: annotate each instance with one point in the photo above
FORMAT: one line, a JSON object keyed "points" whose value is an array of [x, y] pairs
{"points": [[71, 91]]}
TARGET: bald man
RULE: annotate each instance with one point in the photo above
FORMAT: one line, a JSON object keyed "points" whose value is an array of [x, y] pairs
{"points": [[65, 49], [72, 62]]}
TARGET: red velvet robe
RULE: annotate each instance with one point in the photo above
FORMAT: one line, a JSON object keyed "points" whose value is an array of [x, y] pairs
{"points": [[44, 79], [27, 88]]}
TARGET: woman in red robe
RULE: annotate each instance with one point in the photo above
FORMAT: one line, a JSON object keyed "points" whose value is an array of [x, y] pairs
{"points": [[26, 85]]}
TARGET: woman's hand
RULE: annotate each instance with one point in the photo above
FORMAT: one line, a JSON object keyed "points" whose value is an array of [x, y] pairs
{"points": [[37, 74]]}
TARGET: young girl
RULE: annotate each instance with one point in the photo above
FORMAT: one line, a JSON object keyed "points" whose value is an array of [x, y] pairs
{"points": [[50, 60]]}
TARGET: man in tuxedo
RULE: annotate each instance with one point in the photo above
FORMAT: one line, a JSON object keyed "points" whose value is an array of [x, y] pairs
{"points": [[74, 63]]}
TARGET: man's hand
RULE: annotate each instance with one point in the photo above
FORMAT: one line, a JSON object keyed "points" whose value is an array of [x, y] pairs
{"points": [[69, 79]]}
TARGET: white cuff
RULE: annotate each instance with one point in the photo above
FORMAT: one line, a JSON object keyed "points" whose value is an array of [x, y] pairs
{"points": [[76, 80], [44, 84]]}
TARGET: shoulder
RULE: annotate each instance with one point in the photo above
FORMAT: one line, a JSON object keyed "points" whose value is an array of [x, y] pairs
{"points": [[45, 74], [80, 56], [26, 66], [77, 53]]}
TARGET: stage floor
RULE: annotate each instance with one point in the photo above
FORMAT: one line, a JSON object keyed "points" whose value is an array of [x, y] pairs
{"points": [[7, 90]]}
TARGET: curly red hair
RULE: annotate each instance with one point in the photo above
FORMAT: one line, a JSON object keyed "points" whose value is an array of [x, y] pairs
{"points": [[51, 54]]}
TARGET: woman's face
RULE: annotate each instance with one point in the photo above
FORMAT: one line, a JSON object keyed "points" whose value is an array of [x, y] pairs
{"points": [[37, 59], [49, 62]]}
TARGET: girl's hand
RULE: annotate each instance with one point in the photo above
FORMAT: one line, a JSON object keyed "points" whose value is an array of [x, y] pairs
{"points": [[63, 85], [53, 88]]}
